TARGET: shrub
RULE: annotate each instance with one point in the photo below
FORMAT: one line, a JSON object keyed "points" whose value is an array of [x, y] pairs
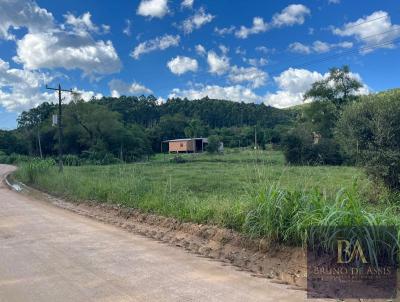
{"points": [[299, 148], [71, 160], [369, 133], [213, 144], [178, 159], [13, 158]]}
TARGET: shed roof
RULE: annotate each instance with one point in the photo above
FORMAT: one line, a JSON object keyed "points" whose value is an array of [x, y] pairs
{"points": [[185, 139]]}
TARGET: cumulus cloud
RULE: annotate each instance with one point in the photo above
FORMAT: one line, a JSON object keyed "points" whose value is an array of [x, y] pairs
{"points": [[291, 15], [196, 21], [50, 45], [127, 29], [256, 62], [371, 30], [235, 93], [119, 87], [159, 43], [253, 75], [317, 47], [20, 89], [15, 14], [181, 65], [224, 30], [258, 26], [83, 24], [264, 49], [200, 50], [217, 64], [187, 3], [69, 51], [153, 8]]}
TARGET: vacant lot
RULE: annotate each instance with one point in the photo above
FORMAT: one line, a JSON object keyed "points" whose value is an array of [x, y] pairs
{"points": [[250, 191]]}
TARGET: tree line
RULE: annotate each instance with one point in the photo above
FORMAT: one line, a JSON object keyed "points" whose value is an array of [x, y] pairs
{"points": [[129, 128]]}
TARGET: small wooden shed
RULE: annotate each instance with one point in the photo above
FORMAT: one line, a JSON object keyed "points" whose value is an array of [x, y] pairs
{"points": [[187, 145]]}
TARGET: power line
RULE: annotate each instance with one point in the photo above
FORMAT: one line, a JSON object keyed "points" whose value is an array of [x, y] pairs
{"points": [[370, 47], [368, 21], [361, 38]]}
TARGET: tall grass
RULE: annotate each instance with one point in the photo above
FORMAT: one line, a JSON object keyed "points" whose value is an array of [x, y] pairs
{"points": [[249, 204]]}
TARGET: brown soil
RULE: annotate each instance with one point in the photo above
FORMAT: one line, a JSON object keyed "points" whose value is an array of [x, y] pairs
{"points": [[283, 264]]}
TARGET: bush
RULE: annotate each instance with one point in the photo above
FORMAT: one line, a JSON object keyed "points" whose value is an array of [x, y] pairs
{"points": [[213, 144], [369, 134], [72, 160], [99, 158], [13, 158], [299, 148], [178, 159]]}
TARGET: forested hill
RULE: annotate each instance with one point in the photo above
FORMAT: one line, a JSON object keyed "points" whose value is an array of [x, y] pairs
{"points": [[131, 127], [213, 113]]}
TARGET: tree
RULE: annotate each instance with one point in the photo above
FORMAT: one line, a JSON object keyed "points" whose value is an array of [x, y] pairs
{"points": [[31, 122], [195, 128], [339, 87], [369, 133]]}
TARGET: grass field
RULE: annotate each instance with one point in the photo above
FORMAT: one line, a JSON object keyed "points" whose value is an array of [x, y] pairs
{"points": [[250, 191]]}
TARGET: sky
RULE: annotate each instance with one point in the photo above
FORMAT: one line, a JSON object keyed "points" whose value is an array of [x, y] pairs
{"points": [[254, 51]]}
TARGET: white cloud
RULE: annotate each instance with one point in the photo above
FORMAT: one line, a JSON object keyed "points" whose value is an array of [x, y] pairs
{"points": [[291, 15], [118, 88], [181, 65], [240, 51], [235, 93], [196, 21], [200, 50], [258, 26], [127, 30], [20, 89], [298, 47], [69, 51], [153, 8], [255, 76], [317, 47], [374, 29], [50, 45], [23, 13], [333, 1], [224, 49], [256, 62], [159, 43], [292, 84], [82, 24], [225, 30], [187, 3], [217, 64], [264, 49]]}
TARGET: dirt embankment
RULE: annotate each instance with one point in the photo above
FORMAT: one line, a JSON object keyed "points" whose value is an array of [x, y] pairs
{"points": [[283, 264]]}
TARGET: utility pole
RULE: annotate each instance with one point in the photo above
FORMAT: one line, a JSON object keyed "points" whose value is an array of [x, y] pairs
{"points": [[60, 130], [255, 138]]}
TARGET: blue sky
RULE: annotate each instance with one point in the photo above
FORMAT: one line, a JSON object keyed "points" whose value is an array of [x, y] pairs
{"points": [[253, 51]]}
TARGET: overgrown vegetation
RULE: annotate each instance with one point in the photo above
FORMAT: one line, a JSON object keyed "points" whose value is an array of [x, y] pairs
{"points": [[369, 132], [248, 191]]}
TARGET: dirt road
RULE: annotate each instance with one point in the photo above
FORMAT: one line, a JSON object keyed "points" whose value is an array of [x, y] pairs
{"points": [[50, 254]]}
